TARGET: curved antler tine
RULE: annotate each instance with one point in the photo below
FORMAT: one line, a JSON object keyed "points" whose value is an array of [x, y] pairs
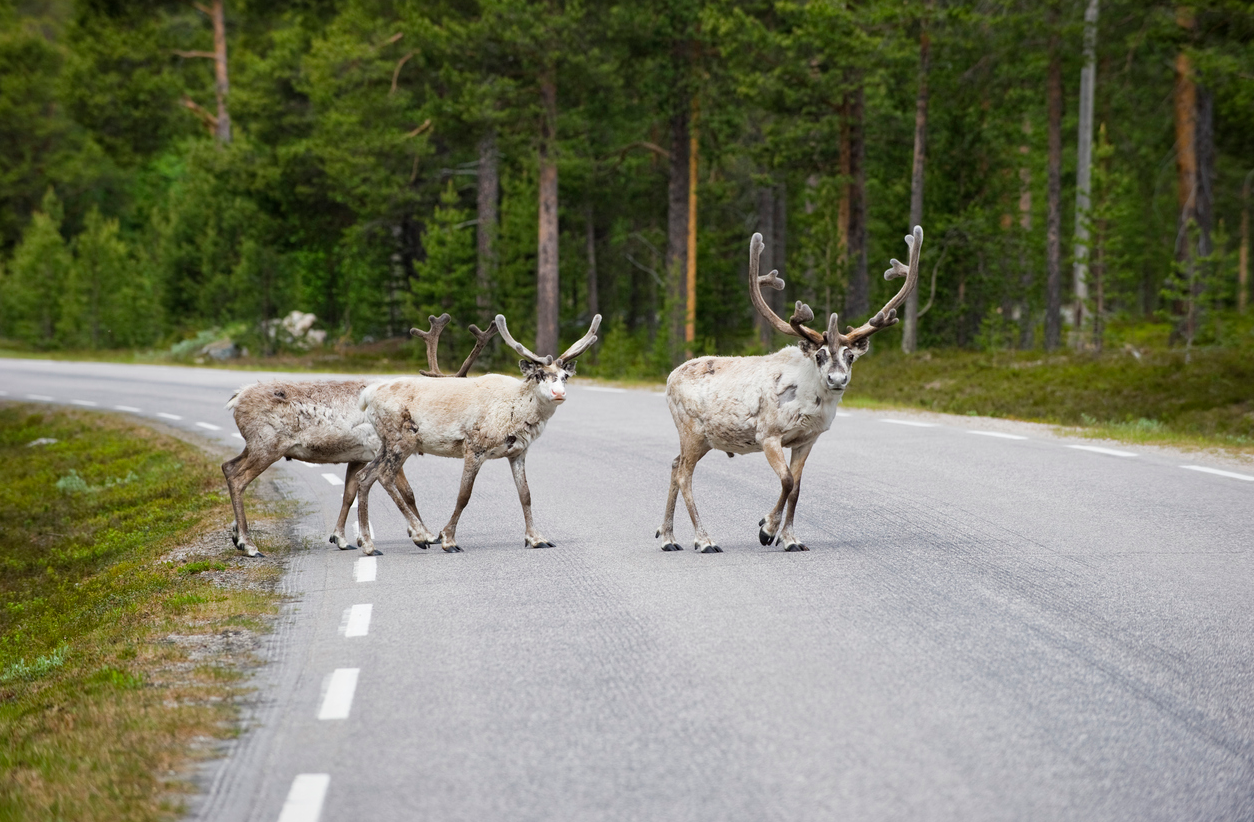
{"points": [[755, 289], [833, 334], [887, 316], [802, 313], [584, 343], [432, 339], [517, 346], [481, 340]]}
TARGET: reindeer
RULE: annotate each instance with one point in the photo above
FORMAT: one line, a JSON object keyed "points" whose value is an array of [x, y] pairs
{"points": [[317, 422], [741, 405], [479, 419]]}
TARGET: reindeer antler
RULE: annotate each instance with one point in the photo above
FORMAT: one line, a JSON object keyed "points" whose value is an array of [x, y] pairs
{"points": [[801, 313], [432, 339], [584, 343], [481, 340], [517, 346], [887, 316]]}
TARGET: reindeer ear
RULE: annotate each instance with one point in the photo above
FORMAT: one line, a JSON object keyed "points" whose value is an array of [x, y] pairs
{"points": [[528, 368], [569, 367], [860, 346]]}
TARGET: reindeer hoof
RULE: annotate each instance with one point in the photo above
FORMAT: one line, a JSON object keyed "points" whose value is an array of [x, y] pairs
{"points": [[710, 549], [255, 553], [670, 546], [762, 522], [373, 552], [795, 546], [451, 549], [765, 538]]}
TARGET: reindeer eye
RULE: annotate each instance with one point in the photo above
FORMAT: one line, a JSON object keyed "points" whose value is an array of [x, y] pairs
{"points": [[820, 356]]}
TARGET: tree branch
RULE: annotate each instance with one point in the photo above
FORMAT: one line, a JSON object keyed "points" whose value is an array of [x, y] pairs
{"points": [[211, 55], [426, 125], [391, 40], [203, 8], [396, 73], [205, 117]]}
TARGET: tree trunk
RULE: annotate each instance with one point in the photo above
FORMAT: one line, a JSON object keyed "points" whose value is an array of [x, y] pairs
{"points": [[766, 227], [547, 285], [486, 230], [858, 298], [591, 240], [1243, 258], [222, 86], [1053, 223], [690, 312], [677, 229], [1084, 165], [910, 328], [1026, 323]]}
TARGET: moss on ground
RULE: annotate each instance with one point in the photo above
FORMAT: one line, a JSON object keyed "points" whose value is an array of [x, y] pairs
{"points": [[126, 623]]}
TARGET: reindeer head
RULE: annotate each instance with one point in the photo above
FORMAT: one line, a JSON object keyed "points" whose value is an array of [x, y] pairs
{"points": [[832, 352], [547, 375]]}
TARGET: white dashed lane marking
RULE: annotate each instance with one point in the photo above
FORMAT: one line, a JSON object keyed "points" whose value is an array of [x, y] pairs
{"points": [[40, 397], [339, 699], [164, 415], [1107, 451], [911, 422], [130, 408], [357, 620], [997, 434], [1219, 473], [209, 426], [332, 478], [365, 568], [356, 527], [87, 403], [304, 800]]}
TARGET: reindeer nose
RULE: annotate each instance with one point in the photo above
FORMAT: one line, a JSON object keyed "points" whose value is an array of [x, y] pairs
{"points": [[837, 380], [559, 391]]}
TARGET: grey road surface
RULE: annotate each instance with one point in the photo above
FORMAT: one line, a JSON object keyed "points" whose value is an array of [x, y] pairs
{"points": [[985, 628]]}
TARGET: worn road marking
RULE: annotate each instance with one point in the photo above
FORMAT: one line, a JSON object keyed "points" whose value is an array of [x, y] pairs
{"points": [[357, 528], [358, 620], [1218, 473], [339, 698], [911, 422], [43, 397], [130, 408], [1097, 450], [997, 434], [843, 414], [365, 568], [304, 800], [210, 426], [605, 389], [168, 416], [333, 479], [238, 436], [87, 403]]}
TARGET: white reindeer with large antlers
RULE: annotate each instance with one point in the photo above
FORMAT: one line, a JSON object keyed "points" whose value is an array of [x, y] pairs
{"points": [[318, 422], [477, 419], [783, 400]]}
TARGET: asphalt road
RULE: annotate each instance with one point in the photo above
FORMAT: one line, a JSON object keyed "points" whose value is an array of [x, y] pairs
{"points": [[985, 628]]}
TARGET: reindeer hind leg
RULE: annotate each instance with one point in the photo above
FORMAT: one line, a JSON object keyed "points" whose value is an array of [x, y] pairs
{"points": [[668, 519], [689, 456]]}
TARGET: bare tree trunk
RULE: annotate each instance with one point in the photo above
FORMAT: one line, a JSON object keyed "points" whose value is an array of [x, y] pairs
{"points": [[591, 237], [547, 284], [1026, 323], [690, 312], [1243, 258], [486, 230], [1084, 166], [222, 86], [858, 299], [910, 328], [677, 229], [1053, 223], [780, 227], [766, 227]]}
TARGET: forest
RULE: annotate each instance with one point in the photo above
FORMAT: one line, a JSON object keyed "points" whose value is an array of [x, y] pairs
{"points": [[176, 172]]}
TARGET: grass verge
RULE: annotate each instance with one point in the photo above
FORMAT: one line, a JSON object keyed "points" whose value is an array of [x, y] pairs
{"points": [[125, 625]]}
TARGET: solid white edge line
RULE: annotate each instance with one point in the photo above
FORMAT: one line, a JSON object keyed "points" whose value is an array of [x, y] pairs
{"points": [[339, 699], [333, 479], [365, 569], [210, 426], [304, 800], [605, 389], [1099, 450], [358, 620], [1219, 473], [164, 415], [997, 434], [87, 403], [843, 414], [40, 397], [130, 408], [910, 422]]}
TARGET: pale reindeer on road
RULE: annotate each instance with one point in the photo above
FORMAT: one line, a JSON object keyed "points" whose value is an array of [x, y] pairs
{"points": [[318, 422], [479, 419], [741, 405]]}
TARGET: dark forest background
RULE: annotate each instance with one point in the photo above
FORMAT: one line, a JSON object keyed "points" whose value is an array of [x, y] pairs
{"points": [[375, 162]]}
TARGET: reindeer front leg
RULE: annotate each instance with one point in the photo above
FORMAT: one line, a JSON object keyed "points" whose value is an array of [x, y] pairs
{"points": [[798, 463], [474, 461], [769, 530], [350, 492], [532, 538]]}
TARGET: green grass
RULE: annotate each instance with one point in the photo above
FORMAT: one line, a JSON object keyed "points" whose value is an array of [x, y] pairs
{"points": [[1156, 398], [97, 706]]}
